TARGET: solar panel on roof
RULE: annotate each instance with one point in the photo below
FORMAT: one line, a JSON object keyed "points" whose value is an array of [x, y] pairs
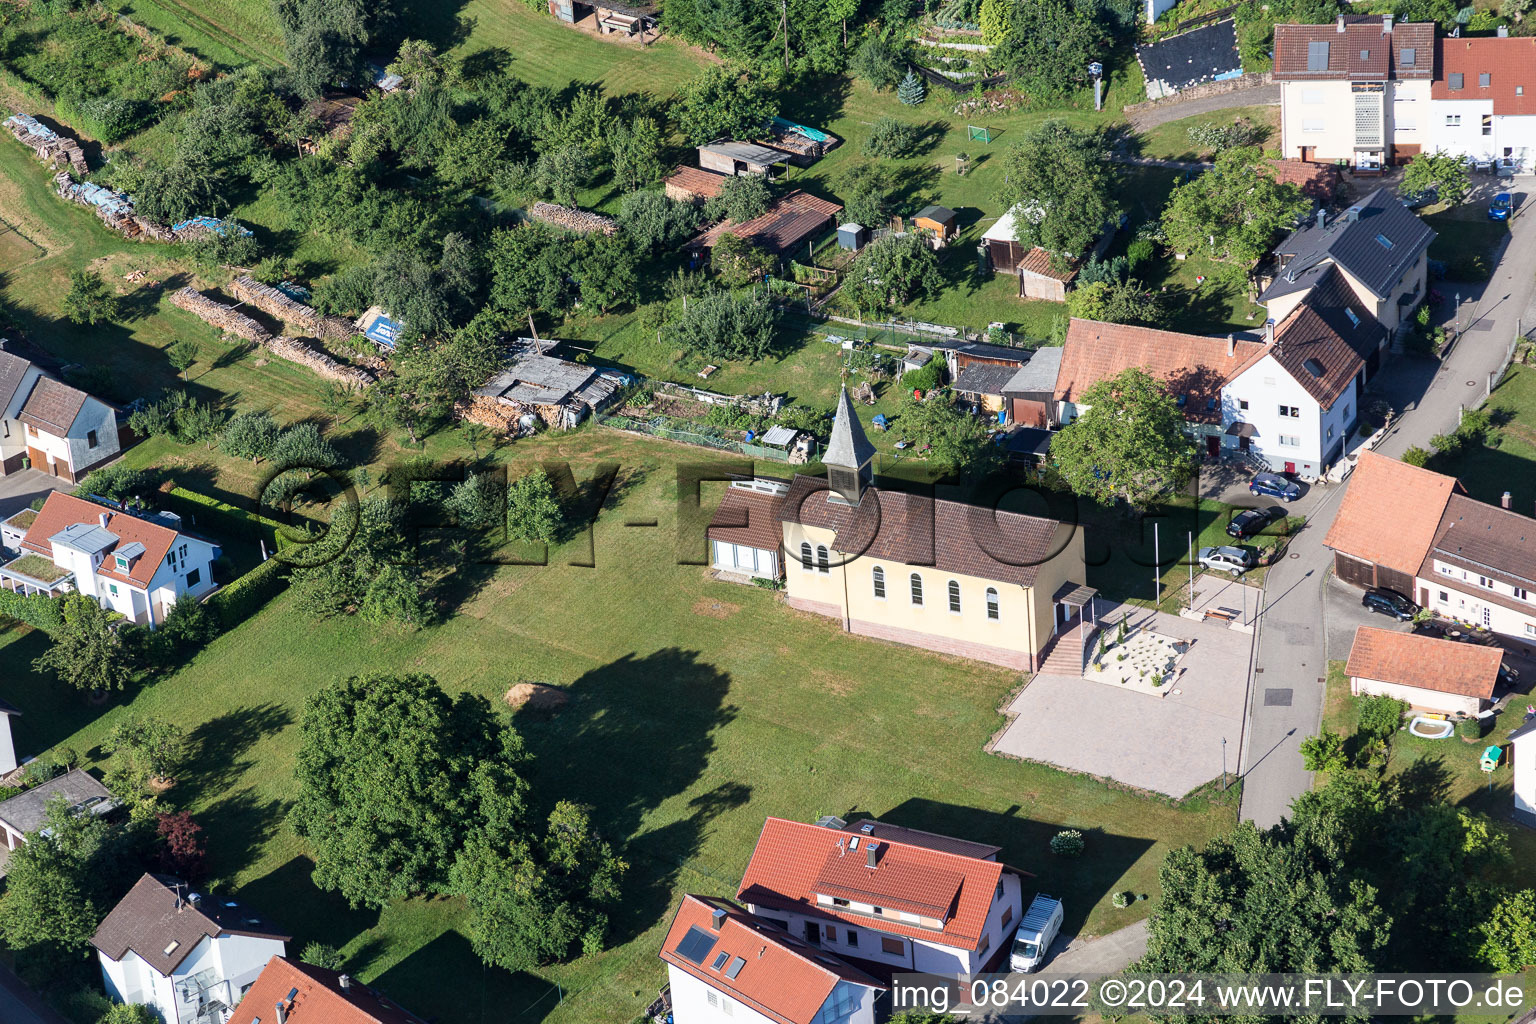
{"points": [[695, 945], [735, 968], [1317, 55]]}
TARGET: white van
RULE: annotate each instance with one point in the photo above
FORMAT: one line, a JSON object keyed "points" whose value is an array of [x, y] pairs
{"points": [[1042, 921]]}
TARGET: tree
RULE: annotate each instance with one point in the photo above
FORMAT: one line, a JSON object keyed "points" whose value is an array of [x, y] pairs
{"points": [[534, 514], [865, 191], [1323, 752], [182, 353], [737, 261], [911, 91], [478, 502], [393, 775], [363, 569], [322, 954], [878, 62], [87, 652], [655, 221], [1128, 443], [419, 63], [634, 150], [118, 482], [889, 137], [145, 749], [1232, 212], [531, 902], [394, 595], [1119, 302], [182, 852], [89, 300], [1063, 187], [724, 102], [561, 173], [1441, 171], [1506, 935], [303, 447], [893, 271], [325, 40], [721, 325], [607, 270], [529, 270], [129, 1013], [741, 197], [1048, 44], [958, 440], [249, 435]]}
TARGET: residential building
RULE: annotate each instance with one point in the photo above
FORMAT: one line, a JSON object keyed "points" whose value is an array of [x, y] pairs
{"points": [[25, 813], [1483, 101], [1378, 245], [1356, 91], [1522, 753], [8, 711], [724, 964], [944, 575], [1481, 568], [190, 957], [1175, 63], [50, 426], [1429, 673], [132, 565], [898, 900], [1386, 522], [293, 992]]}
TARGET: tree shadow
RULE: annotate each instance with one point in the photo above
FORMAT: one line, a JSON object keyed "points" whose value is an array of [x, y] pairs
{"points": [[445, 980], [819, 103], [930, 134], [245, 823], [220, 744], [310, 913], [635, 733]]}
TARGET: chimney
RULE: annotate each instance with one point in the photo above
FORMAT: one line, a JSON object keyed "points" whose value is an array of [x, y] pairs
{"points": [[717, 919], [1386, 24], [1341, 23], [1503, 32], [1322, 217], [1352, 214], [1269, 331], [1507, 501], [103, 518], [282, 1013], [873, 851], [345, 981], [1231, 345]]}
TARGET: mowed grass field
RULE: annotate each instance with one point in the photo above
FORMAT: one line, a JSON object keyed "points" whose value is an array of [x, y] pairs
{"points": [[697, 709]]}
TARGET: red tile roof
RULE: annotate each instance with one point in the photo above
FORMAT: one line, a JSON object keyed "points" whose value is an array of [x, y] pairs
{"points": [[789, 221], [747, 517], [1316, 180], [1429, 663], [1360, 53], [783, 978], [695, 180], [1510, 64], [63, 510], [1390, 512], [1038, 261], [792, 862], [912, 529], [320, 998], [1190, 364]]}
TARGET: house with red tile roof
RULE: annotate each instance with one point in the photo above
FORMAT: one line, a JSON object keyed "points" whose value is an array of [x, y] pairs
{"points": [[898, 900], [133, 565], [1483, 101], [1386, 522], [48, 425], [723, 963], [967, 580], [1428, 672], [293, 992]]}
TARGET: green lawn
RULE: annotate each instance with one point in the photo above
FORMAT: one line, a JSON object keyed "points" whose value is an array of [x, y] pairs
{"points": [[1506, 461], [1464, 229], [1171, 141], [697, 709]]}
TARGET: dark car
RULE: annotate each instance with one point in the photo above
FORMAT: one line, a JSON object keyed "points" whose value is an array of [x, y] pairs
{"points": [[1249, 522], [1418, 200], [1389, 602], [1274, 485], [1508, 676]]}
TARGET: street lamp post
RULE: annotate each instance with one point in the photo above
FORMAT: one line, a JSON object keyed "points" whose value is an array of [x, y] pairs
{"points": [[1097, 71]]}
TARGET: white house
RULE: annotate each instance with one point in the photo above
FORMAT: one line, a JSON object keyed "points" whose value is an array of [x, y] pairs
{"points": [[1522, 753], [723, 965], [190, 957], [1480, 568], [1483, 102], [7, 744], [56, 428], [25, 813], [1429, 673], [130, 564], [888, 896], [1354, 91]]}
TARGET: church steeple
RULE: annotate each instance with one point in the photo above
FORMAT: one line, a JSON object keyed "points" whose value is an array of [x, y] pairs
{"points": [[849, 457]]}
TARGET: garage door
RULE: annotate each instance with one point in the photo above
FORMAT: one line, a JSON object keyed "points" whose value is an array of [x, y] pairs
{"points": [[1029, 414], [1354, 570]]}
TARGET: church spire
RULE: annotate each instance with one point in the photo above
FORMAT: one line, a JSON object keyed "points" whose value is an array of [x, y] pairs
{"points": [[849, 457]]}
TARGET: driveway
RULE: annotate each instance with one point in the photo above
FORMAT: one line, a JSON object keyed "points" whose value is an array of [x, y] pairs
{"points": [[1259, 96], [1168, 745], [18, 490]]}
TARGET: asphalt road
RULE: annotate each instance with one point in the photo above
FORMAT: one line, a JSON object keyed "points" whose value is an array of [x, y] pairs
{"points": [[1287, 686], [20, 1005]]}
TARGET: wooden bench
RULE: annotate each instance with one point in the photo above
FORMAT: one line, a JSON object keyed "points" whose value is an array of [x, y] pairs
{"points": [[1224, 614]]}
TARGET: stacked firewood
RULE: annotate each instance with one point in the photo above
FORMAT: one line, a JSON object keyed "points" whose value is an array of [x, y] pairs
{"points": [[568, 218], [295, 350], [277, 303], [52, 148], [225, 318]]}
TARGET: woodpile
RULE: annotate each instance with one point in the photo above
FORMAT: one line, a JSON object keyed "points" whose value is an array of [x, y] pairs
{"points": [[505, 417], [295, 350], [277, 303], [568, 218], [114, 209], [51, 148]]}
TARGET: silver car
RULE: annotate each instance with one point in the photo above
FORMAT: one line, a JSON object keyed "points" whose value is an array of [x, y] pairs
{"points": [[1230, 559]]}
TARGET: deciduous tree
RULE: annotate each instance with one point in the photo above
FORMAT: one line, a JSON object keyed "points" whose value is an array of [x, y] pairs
{"points": [[534, 513], [724, 102], [1063, 187], [1127, 445], [1441, 171], [893, 271], [1232, 212], [720, 325], [89, 299], [87, 652]]}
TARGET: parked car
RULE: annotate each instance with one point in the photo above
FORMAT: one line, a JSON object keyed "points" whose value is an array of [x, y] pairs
{"points": [[1389, 602], [1275, 486], [1418, 200], [1508, 676], [1227, 559], [1500, 207], [1251, 521], [1033, 938]]}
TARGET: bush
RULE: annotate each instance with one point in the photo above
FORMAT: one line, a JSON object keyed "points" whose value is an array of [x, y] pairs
{"points": [[1416, 456], [1122, 899], [890, 138], [1220, 137], [1380, 717], [321, 954], [6, 792], [41, 770], [1068, 842], [925, 378], [1138, 252], [245, 596], [36, 610]]}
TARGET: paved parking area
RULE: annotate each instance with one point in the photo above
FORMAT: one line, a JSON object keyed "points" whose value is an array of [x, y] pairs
{"points": [[1168, 745], [18, 490]]}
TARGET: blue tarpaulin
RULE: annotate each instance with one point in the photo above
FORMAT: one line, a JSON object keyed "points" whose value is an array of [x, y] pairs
{"points": [[380, 329], [799, 129], [214, 224]]}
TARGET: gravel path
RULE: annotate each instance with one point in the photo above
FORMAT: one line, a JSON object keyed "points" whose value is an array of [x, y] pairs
{"points": [[1258, 96]]}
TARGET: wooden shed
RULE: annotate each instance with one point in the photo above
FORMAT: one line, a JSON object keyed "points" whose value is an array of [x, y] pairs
{"points": [[1032, 265], [692, 184], [939, 223], [740, 158]]}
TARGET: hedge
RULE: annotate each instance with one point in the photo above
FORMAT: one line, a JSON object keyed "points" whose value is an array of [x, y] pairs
{"points": [[224, 519], [243, 598], [36, 610]]}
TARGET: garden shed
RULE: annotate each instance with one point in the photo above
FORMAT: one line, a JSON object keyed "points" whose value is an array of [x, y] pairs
{"points": [[1031, 391], [939, 223], [692, 184], [852, 236], [791, 222], [558, 392], [740, 158], [1038, 277], [1428, 672]]}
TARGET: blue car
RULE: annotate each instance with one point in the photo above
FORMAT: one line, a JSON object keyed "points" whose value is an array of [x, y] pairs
{"points": [[1275, 486], [1500, 207]]}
